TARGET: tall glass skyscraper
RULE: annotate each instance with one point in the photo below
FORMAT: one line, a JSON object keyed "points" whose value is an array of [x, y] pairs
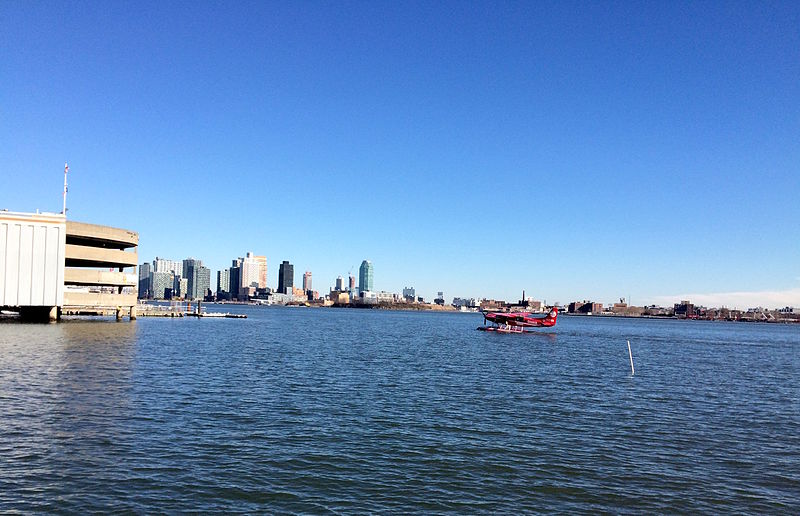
{"points": [[285, 277], [201, 282], [145, 270], [198, 279], [223, 283], [234, 274], [365, 283]]}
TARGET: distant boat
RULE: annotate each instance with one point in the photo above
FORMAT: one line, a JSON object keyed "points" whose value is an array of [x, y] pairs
{"points": [[517, 322], [218, 314]]}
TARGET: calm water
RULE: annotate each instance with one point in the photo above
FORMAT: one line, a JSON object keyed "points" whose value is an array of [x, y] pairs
{"points": [[317, 411]]}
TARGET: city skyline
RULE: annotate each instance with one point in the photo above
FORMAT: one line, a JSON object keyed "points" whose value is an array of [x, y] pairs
{"points": [[738, 301], [573, 150]]}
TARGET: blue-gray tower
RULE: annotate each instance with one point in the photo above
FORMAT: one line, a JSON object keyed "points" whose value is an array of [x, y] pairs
{"points": [[365, 277]]}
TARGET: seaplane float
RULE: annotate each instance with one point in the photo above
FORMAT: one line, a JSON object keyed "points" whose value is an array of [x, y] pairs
{"points": [[517, 322]]}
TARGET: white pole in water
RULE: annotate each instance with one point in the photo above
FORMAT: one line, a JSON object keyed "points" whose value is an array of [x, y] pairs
{"points": [[631, 355]]}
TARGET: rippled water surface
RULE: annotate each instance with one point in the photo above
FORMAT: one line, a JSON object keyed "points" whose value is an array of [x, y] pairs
{"points": [[325, 410]]}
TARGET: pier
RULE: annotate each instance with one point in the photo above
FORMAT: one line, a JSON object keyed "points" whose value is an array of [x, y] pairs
{"points": [[182, 310]]}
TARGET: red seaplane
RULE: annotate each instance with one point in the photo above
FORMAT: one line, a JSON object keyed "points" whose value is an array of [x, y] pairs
{"points": [[516, 322]]}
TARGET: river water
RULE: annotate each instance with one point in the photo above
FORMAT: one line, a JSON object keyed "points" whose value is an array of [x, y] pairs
{"points": [[299, 410]]}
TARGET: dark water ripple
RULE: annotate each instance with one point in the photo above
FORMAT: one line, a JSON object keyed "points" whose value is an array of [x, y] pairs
{"points": [[339, 411]]}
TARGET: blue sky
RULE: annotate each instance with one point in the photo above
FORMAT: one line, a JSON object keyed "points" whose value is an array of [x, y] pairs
{"points": [[577, 150]]}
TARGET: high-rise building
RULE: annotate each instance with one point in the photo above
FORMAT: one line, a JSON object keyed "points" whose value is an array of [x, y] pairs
{"points": [[262, 271], [339, 283], [188, 272], [162, 285], [202, 282], [251, 269], [409, 293], [198, 278], [179, 286], [306, 281], [352, 283], [285, 278], [187, 266], [224, 283], [164, 265], [145, 270], [235, 277], [365, 281]]}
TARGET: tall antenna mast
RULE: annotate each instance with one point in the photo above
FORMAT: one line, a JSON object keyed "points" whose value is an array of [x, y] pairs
{"points": [[64, 209]]}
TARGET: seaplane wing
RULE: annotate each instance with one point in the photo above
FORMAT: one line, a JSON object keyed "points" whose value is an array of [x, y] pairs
{"points": [[517, 321]]}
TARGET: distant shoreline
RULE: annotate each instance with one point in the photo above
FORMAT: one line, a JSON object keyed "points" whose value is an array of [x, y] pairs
{"points": [[450, 309], [673, 318]]}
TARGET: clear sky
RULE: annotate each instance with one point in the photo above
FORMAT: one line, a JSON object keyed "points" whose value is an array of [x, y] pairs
{"points": [[577, 150]]}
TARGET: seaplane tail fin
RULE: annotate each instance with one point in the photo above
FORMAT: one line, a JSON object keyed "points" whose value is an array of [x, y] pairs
{"points": [[552, 315]]}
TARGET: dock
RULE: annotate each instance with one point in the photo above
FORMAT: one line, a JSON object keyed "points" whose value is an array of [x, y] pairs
{"points": [[181, 310]]}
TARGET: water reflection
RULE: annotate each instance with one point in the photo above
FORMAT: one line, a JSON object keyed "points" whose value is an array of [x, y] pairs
{"points": [[93, 383], [64, 394]]}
